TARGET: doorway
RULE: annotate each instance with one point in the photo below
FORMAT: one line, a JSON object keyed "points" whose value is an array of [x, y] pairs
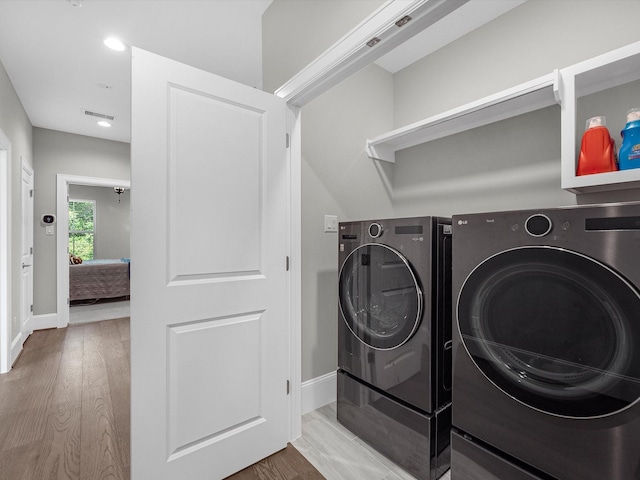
{"points": [[99, 253], [62, 241]]}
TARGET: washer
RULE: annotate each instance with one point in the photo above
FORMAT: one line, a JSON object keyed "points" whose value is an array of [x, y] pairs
{"points": [[394, 339], [547, 344]]}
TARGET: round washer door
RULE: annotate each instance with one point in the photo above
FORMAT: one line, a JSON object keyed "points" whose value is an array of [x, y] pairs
{"points": [[379, 295], [554, 329]]}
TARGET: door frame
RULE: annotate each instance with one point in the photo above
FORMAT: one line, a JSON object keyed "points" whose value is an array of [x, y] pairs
{"points": [[26, 328], [5, 254], [341, 60], [63, 181]]}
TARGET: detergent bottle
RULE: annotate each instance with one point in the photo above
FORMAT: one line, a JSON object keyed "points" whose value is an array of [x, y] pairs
{"points": [[598, 149], [629, 155]]}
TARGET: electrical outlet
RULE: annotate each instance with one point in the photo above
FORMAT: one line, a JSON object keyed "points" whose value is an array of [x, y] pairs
{"points": [[330, 223]]}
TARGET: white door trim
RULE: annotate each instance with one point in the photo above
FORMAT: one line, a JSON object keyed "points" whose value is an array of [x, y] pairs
{"points": [[5, 254], [352, 52], [26, 327], [341, 60], [295, 251], [61, 320]]}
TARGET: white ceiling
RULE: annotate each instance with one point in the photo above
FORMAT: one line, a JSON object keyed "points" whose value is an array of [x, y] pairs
{"points": [[55, 58]]}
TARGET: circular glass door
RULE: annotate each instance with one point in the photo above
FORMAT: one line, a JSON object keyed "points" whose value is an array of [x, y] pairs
{"points": [[554, 329], [379, 296]]}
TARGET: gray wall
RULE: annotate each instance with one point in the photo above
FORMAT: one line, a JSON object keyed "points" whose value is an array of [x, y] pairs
{"points": [[65, 153], [515, 163], [16, 126], [112, 222], [507, 165], [295, 32], [337, 179], [525, 43], [334, 166]]}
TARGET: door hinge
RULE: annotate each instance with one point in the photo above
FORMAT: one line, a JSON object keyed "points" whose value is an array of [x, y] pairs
{"points": [[287, 141], [31, 193], [30, 250], [31, 308], [68, 302], [288, 387], [287, 263]]}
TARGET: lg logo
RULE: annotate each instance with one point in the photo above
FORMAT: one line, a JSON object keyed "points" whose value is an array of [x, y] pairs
{"points": [[462, 222]]}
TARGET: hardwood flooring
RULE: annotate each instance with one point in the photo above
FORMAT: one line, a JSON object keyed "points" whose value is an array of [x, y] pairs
{"points": [[65, 415], [65, 411], [287, 464], [64, 407]]}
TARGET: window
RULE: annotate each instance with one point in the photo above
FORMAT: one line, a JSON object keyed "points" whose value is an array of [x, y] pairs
{"points": [[82, 225]]}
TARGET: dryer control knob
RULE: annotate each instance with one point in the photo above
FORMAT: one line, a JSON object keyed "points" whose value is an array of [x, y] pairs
{"points": [[375, 230], [538, 225]]}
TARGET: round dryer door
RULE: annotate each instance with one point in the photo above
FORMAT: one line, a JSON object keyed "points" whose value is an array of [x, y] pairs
{"points": [[554, 329], [379, 295]]}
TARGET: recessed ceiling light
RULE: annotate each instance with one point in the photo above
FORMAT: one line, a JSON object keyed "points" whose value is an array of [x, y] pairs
{"points": [[103, 123], [114, 44]]}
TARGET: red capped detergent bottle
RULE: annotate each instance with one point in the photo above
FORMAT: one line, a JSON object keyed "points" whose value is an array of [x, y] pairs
{"points": [[598, 149]]}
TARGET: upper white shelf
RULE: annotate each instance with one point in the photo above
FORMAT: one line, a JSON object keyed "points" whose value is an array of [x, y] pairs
{"points": [[597, 74], [527, 97], [605, 71]]}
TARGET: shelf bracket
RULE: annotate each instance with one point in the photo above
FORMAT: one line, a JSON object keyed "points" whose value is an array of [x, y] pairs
{"points": [[557, 86], [380, 152]]}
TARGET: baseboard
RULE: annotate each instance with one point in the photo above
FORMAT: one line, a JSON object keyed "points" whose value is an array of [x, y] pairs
{"points": [[16, 348], [319, 391], [42, 322]]}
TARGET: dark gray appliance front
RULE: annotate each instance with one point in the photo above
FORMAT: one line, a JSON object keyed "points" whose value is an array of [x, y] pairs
{"points": [[547, 342], [395, 308], [394, 339]]}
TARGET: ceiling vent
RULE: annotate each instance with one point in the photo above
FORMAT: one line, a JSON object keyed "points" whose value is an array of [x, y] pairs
{"points": [[99, 115]]}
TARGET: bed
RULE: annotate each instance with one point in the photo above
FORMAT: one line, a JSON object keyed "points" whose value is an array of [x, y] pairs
{"points": [[97, 279]]}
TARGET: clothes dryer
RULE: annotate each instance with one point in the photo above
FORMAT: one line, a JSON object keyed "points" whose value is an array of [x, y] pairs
{"points": [[547, 344], [394, 339]]}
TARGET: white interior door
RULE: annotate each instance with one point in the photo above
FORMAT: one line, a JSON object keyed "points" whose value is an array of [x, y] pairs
{"points": [[209, 280], [27, 250]]}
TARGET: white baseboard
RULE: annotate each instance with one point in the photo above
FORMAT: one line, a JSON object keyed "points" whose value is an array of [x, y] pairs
{"points": [[16, 348], [41, 322], [319, 391]]}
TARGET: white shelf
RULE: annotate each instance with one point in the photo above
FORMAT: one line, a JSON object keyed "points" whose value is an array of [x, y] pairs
{"points": [[527, 97], [564, 86], [597, 74]]}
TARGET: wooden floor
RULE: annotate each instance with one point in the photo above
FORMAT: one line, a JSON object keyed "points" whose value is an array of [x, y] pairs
{"points": [[64, 407], [64, 411], [288, 464]]}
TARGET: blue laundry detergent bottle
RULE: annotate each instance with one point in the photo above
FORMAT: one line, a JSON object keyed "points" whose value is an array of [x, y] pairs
{"points": [[629, 155]]}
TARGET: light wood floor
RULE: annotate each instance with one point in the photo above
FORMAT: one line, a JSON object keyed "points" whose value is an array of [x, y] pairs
{"points": [[64, 408], [340, 455]]}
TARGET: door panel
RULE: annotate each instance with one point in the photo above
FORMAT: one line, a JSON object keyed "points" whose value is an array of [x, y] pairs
{"points": [[201, 174], [191, 360], [209, 341]]}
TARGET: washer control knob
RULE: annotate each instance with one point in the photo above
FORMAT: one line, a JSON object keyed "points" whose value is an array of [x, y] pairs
{"points": [[538, 225], [375, 230]]}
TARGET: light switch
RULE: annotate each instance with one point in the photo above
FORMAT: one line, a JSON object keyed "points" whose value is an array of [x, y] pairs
{"points": [[330, 223], [48, 230]]}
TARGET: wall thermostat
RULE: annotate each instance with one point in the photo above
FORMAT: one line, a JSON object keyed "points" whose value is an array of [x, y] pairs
{"points": [[48, 219]]}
